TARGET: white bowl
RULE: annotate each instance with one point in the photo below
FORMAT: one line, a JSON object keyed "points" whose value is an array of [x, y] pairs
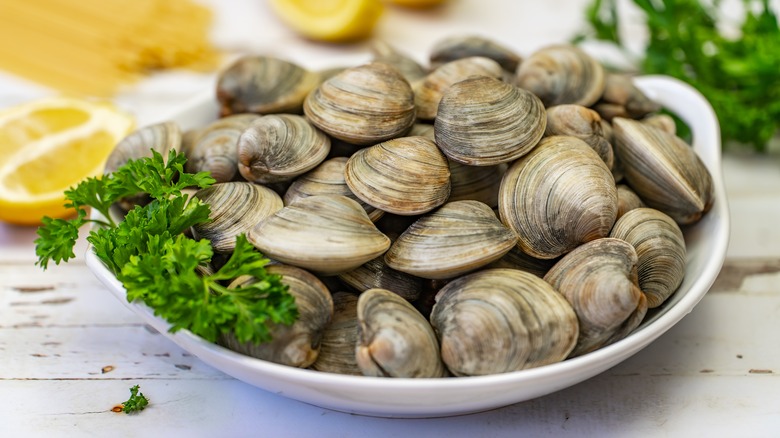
{"points": [[706, 242]]}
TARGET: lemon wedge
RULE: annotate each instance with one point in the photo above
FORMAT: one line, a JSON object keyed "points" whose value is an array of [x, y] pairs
{"points": [[48, 146], [330, 20]]}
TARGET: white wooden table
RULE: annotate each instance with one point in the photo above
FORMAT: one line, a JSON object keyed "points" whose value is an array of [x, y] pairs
{"points": [[69, 351]]}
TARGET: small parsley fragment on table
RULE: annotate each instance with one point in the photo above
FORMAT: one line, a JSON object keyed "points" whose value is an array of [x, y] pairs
{"points": [[158, 264], [739, 76], [137, 401]]}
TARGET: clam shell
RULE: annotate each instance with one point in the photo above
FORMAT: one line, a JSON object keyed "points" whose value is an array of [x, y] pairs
{"points": [[557, 197], [264, 85], [562, 74], [410, 69], [296, 345], [458, 47], [406, 176], [478, 183], [363, 105], [485, 122], [394, 339], [502, 320], [664, 122], [660, 246], [583, 123], [236, 207], [162, 137], [375, 274], [280, 147], [337, 348], [328, 234], [215, 150], [599, 280], [621, 98], [327, 179], [627, 200], [429, 91], [517, 259], [457, 238], [664, 171]]}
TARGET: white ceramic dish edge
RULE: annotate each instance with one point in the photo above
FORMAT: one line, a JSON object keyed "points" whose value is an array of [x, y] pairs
{"points": [[707, 242]]}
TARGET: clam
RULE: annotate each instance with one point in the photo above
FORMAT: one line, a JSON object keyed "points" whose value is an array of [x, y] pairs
{"points": [[328, 234], [394, 339], [296, 345], [558, 197], [599, 280], [457, 238], [621, 98], [502, 320], [562, 74], [478, 183], [215, 149], [326, 179], [517, 259], [236, 207], [422, 130], [484, 122], [660, 246], [363, 105], [664, 122], [162, 137], [337, 347], [410, 69], [375, 274], [627, 200], [663, 170], [406, 176], [264, 85], [458, 47], [429, 91], [583, 123], [280, 147]]}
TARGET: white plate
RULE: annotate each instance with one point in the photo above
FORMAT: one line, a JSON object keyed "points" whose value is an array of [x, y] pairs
{"points": [[706, 242]]}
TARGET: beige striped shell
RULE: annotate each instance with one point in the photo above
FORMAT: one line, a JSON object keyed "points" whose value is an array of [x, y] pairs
{"points": [[627, 200], [162, 137], [337, 348], [583, 123], [215, 149], [375, 274], [458, 47]]}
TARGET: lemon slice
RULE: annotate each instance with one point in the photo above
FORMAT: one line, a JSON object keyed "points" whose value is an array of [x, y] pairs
{"points": [[49, 145], [330, 20]]}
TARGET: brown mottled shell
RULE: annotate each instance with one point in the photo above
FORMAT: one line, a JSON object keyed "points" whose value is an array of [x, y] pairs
{"points": [[502, 320], [429, 91], [363, 105], [627, 200], [162, 137], [337, 348], [599, 280], [215, 149], [478, 183], [328, 234], [236, 207], [279, 147], [485, 122], [457, 238], [327, 179], [558, 197], [264, 85], [660, 246], [296, 345], [664, 171], [394, 339], [583, 123], [457, 47], [375, 274], [407, 175], [562, 74]]}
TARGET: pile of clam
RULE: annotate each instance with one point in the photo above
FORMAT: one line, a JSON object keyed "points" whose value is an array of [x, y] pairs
{"points": [[484, 215]]}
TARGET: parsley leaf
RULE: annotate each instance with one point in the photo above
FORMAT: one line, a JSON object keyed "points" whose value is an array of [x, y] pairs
{"points": [[137, 401]]}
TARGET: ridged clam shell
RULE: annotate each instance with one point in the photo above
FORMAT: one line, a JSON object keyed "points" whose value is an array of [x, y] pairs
{"points": [[375, 274], [328, 234], [162, 137], [296, 345], [621, 98], [410, 69], [337, 348], [326, 179], [562, 74], [485, 122], [280, 147], [583, 123], [215, 150], [660, 246], [664, 171], [406, 176], [264, 85], [236, 207], [627, 200], [394, 339], [599, 280], [517, 259], [502, 320], [457, 238], [429, 91], [457, 47], [363, 105], [557, 197], [478, 183], [664, 122]]}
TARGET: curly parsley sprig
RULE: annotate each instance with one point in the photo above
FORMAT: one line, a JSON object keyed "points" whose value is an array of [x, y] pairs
{"points": [[158, 265], [137, 401]]}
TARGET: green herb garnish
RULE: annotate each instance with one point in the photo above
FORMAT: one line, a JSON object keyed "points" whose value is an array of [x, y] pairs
{"points": [[158, 265], [137, 401], [739, 76]]}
